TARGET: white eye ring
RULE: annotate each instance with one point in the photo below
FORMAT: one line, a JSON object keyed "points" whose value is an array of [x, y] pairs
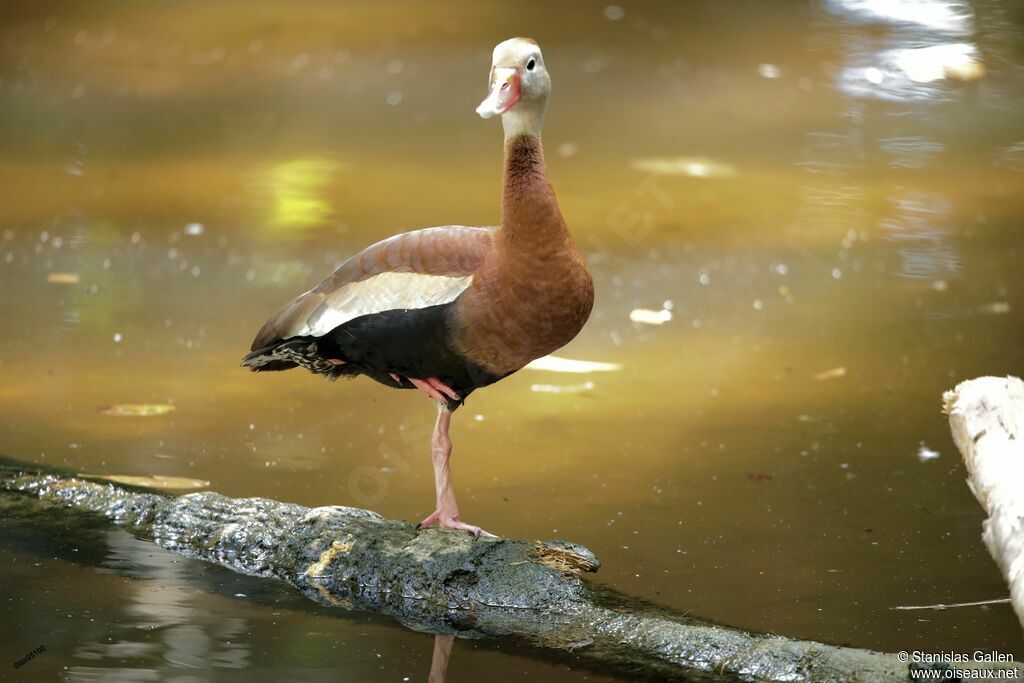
{"points": [[530, 64]]}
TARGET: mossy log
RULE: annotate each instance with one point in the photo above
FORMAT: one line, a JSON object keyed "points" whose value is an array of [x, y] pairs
{"points": [[986, 417], [448, 583]]}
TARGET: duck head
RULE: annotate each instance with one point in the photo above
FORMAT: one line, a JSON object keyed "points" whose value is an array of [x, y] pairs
{"points": [[518, 88]]}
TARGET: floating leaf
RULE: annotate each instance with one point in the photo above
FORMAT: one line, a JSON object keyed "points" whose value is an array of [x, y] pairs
{"points": [[137, 409], [834, 373], [155, 481], [561, 389], [650, 317], [62, 278], [571, 365]]}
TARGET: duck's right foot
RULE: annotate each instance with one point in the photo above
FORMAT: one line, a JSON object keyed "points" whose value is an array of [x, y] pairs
{"points": [[449, 522]]}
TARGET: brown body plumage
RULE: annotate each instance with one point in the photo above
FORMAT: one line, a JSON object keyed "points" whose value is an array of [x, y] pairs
{"points": [[518, 292]]}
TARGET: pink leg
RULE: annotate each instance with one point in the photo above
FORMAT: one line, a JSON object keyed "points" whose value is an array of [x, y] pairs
{"points": [[335, 361], [447, 513]]}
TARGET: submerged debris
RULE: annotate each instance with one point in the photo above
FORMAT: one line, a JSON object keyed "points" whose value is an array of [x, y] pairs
{"points": [[154, 481]]}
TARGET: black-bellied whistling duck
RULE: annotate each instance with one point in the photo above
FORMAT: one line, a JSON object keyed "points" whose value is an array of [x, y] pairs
{"points": [[449, 310]]}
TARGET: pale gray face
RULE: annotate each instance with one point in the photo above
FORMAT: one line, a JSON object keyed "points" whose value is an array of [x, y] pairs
{"points": [[518, 78], [524, 55]]}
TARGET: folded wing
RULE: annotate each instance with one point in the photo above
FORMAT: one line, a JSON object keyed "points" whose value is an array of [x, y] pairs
{"points": [[411, 270]]}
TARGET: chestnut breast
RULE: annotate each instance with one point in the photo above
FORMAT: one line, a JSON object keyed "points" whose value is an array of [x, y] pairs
{"points": [[533, 293], [523, 304]]}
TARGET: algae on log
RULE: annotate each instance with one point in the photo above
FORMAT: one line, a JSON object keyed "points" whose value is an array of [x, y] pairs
{"points": [[986, 417], [448, 583]]}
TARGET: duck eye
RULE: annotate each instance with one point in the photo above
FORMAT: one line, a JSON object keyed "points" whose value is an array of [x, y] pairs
{"points": [[530, 64]]}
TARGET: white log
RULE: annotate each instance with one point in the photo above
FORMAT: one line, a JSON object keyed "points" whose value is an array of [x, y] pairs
{"points": [[986, 416]]}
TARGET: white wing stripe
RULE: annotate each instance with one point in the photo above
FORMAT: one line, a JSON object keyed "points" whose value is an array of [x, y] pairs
{"points": [[383, 292]]}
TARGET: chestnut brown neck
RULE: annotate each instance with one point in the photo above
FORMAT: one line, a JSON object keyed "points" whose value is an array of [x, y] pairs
{"points": [[529, 210]]}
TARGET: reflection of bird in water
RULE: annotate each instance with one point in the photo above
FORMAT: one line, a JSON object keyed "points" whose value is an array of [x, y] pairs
{"points": [[439, 661], [448, 310]]}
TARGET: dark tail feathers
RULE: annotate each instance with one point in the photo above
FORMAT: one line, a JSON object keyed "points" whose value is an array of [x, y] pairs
{"points": [[290, 353]]}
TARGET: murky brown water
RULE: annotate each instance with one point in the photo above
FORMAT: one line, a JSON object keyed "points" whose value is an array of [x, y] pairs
{"points": [[837, 229]]}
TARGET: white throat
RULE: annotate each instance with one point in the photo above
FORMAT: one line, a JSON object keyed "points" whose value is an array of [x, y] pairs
{"points": [[523, 119]]}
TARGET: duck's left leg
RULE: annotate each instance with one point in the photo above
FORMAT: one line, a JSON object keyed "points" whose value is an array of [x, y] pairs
{"points": [[446, 515]]}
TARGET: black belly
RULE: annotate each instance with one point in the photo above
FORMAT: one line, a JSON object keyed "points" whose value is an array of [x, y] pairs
{"points": [[407, 342]]}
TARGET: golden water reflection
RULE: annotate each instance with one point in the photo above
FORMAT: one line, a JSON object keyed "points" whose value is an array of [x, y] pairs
{"points": [[782, 211]]}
